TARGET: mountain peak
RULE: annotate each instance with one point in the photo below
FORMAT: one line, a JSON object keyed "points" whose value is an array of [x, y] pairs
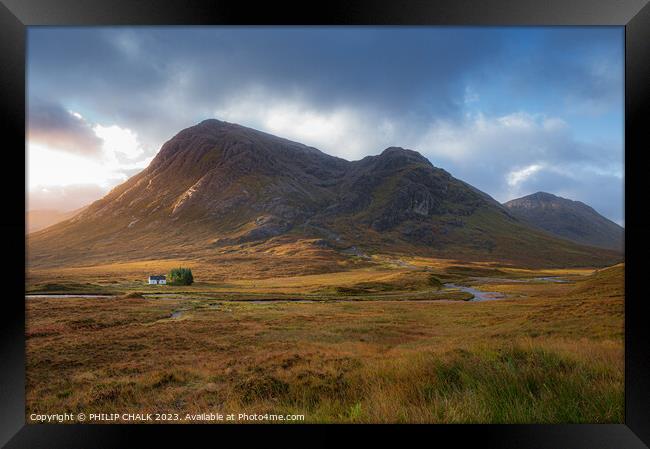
{"points": [[392, 151], [211, 121], [538, 198], [211, 126], [544, 196], [569, 219], [219, 184], [401, 156]]}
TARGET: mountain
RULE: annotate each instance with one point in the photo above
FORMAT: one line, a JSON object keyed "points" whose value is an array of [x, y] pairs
{"points": [[38, 219], [218, 189], [571, 220]]}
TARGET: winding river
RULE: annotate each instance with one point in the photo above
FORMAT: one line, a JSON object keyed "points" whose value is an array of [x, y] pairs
{"points": [[479, 295]]}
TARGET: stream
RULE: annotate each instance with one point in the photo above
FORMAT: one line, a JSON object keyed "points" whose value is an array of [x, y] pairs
{"points": [[479, 295], [55, 295]]}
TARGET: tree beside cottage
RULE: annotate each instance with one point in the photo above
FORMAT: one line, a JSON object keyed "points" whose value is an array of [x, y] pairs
{"points": [[181, 276]]}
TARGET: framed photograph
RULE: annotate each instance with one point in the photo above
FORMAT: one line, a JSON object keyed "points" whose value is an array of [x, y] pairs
{"points": [[353, 214]]}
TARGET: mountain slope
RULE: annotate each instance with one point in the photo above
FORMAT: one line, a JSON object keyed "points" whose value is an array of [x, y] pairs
{"points": [[567, 219], [221, 188]]}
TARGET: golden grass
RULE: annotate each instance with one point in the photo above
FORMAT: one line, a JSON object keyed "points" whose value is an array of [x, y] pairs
{"points": [[552, 353], [261, 273]]}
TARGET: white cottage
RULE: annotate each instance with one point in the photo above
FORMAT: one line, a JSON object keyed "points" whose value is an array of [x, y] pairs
{"points": [[162, 279]]}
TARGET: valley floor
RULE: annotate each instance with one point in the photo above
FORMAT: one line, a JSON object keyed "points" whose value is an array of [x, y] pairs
{"points": [[550, 352]]}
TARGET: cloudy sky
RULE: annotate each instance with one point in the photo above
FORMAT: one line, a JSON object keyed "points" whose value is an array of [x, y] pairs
{"points": [[512, 111]]}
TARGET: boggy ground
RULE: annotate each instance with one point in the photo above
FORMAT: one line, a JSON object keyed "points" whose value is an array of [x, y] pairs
{"points": [[550, 353]]}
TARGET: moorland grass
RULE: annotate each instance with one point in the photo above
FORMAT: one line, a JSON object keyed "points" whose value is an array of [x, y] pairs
{"points": [[551, 353]]}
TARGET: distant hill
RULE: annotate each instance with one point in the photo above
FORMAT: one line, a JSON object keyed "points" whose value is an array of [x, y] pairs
{"points": [[571, 220], [221, 188], [42, 218]]}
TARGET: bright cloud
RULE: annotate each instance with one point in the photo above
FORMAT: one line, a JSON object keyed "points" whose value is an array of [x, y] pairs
{"points": [[517, 136], [513, 140], [118, 140], [48, 167], [516, 177], [343, 132], [520, 153], [55, 165]]}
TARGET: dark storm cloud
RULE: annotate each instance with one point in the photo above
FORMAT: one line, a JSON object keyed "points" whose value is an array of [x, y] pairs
{"points": [[484, 103], [588, 72], [49, 123], [137, 76]]}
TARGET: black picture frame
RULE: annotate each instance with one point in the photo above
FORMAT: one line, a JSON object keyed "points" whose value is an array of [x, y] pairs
{"points": [[634, 15]]}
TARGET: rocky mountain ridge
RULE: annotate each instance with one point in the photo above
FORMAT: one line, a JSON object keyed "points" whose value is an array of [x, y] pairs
{"points": [[218, 186]]}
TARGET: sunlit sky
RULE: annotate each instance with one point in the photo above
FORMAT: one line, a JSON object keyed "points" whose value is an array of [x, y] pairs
{"points": [[510, 110]]}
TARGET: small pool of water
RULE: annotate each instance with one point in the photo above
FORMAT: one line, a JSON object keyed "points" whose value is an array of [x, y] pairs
{"points": [[479, 295], [550, 279], [178, 313], [166, 298], [275, 301]]}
